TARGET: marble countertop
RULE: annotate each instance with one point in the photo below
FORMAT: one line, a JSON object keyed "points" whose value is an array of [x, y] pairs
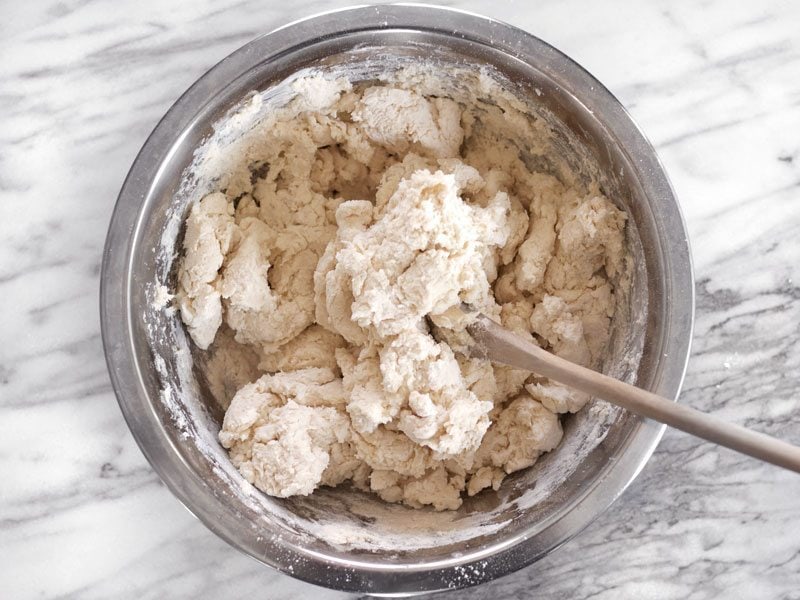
{"points": [[716, 85]]}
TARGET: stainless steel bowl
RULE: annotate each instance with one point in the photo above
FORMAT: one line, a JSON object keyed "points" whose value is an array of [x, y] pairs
{"points": [[174, 419]]}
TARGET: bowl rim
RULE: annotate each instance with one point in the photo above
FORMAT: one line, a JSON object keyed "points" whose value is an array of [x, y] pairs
{"points": [[148, 430]]}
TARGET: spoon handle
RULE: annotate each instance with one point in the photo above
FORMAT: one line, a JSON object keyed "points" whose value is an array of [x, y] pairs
{"points": [[500, 345]]}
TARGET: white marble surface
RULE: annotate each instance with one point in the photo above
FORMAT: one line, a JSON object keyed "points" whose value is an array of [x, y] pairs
{"points": [[715, 84]]}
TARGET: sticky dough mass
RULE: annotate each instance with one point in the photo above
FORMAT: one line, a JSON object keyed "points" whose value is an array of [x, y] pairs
{"points": [[341, 252]]}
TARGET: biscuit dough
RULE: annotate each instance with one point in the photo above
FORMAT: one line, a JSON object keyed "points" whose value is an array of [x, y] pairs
{"points": [[363, 220]]}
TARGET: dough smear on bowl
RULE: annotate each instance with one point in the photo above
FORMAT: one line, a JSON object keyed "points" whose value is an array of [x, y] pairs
{"points": [[364, 217]]}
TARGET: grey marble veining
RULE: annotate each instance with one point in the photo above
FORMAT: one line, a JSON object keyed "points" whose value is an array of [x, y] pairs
{"points": [[716, 85]]}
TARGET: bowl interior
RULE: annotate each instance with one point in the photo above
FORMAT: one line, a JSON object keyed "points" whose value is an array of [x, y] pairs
{"points": [[345, 527]]}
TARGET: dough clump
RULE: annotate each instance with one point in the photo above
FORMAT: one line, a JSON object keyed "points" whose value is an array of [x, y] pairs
{"points": [[340, 253]]}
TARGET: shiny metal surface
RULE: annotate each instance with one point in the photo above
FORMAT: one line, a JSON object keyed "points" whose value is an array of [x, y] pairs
{"points": [[130, 263]]}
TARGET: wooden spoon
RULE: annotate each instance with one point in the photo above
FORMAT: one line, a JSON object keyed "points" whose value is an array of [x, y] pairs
{"points": [[500, 345]]}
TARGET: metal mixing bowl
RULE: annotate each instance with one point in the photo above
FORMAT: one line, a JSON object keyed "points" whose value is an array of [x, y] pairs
{"points": [[329, 538]]}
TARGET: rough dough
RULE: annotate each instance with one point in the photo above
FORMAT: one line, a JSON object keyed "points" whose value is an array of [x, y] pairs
{"points": [[363, 218]]}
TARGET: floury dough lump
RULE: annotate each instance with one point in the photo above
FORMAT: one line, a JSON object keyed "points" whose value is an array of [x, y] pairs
{"points": [[339, 255]]}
